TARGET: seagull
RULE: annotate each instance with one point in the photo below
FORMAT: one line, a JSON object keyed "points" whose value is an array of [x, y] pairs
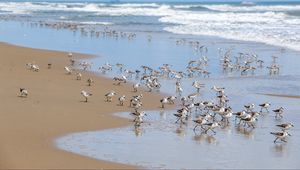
{"points": [[86, 95], [23, 92], [280, 135]]}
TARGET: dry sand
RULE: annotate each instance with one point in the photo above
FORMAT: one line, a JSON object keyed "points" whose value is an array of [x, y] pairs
{"points": [[53, 108]]}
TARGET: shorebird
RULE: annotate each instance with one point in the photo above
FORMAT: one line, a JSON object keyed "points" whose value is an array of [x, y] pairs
{"points": [[70, 55], [264, 106], [90, 81], [49, 65], [183, 100], [23, 92], [201, 120], [211, 126], [78, 76], [239, 115], [278, 112], [250, 119], [280, 135], [120, 66], [72, 62], [35, 67], [197, 85], [285, 126], [139, 118], [219, 90], [249, 107], [120, 80], [68, 70], [171, 99], [179, 89], [192, 97], [122, 100], [136, 86], [227, 115], [181, 115], [164, 101], [86, 95], [110, 95]]}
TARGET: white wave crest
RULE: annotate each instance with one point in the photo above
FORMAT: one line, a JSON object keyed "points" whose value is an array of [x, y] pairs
{"points": [[270, 27], [255, 8], [267, 24]]}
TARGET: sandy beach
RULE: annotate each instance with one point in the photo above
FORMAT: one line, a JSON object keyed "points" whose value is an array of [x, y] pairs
{"points": [[53, 108]]}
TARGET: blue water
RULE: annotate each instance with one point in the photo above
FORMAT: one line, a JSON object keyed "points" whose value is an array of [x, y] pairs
{"points": [[275, 23]]}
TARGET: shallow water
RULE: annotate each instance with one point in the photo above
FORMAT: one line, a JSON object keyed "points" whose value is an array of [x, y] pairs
{"points": [[161, 143]]}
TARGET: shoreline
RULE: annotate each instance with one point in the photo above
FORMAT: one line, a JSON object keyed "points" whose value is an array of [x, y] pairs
{"points": [[280, 95], [30, 125]]}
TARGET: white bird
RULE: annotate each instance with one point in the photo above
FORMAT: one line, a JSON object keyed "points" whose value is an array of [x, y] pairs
{"points": [[68, 70], [110, 95], [197, 85], [285, 126], [219, 90], [201, 120], [164, 101], [192, 97], [264, 106], [249, 107], [78, 76], [280, 135], [122, 100], [23, 92], [139, 118], [86, 95], [181, 115], [211, 126], [278, 112], [171, 99], [90, 81], [136, 86]]}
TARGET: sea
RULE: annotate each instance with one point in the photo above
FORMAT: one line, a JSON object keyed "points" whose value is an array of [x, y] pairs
{"points": [[164, 32]]}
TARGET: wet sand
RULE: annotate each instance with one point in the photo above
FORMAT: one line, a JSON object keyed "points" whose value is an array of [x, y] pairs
{"points": [[280, 95], [53, 108]]}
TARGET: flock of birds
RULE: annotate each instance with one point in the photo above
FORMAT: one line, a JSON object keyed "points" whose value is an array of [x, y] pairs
{"points": [[208, 115]]}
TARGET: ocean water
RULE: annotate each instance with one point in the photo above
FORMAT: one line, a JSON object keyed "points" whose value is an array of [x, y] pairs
{"points": [[275, 23], [263, 28]]}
